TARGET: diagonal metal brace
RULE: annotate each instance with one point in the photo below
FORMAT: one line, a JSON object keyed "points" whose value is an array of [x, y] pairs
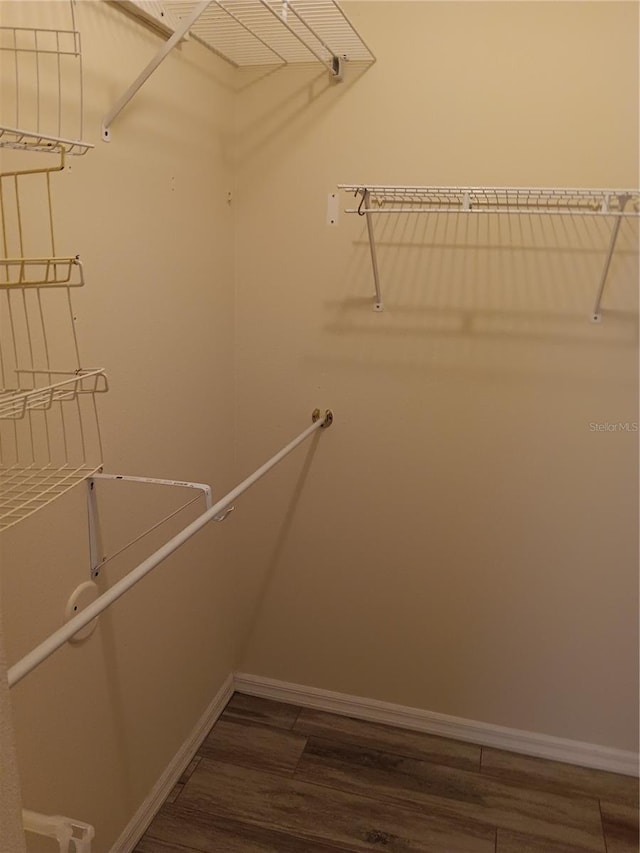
{"points": [[596, 316], [144, 75]]}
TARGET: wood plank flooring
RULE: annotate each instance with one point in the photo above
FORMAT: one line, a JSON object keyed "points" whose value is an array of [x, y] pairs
{"points": [[275, 778]]}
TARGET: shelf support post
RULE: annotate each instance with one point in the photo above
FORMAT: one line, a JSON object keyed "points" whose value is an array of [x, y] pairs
{"points": [[378, 305], [95, 545], [596, 316], [144, 75]]}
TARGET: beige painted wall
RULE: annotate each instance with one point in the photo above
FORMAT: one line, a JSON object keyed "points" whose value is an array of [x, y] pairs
{"points": [[461, 540], [97, 724]]}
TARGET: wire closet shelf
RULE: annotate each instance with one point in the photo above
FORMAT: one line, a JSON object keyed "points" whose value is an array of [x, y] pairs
{"points": [[275, 32], [250, 34], [512, 200], [375, 199]]}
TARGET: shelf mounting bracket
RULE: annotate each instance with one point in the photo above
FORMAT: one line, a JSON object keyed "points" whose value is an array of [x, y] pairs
{"points": [[96, 553]]}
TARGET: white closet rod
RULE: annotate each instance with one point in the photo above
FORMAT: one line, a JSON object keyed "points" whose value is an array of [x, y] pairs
{"points": [[34, 658]]}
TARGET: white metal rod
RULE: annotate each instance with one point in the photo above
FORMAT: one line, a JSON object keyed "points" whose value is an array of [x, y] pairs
{"points": [[34, 658], [605, 270], [521, 211], [584, 192], [377, 305], [144, 75]]}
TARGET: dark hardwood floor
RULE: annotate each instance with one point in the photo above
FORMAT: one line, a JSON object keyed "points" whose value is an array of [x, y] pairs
{"points": [[275, 778]]}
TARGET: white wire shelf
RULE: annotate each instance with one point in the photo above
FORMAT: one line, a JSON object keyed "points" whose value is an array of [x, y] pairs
{"points": [[375, 199], [49, 447], [29, 140], [257, 32], [15, 403], [49, 442], [39, 272], [254, 33], [507, 200], [41, 99], [24, 490]]}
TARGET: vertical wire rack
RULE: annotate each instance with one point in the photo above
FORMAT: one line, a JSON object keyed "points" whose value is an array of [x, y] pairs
{"points": [[49, 430], [41, 86]]}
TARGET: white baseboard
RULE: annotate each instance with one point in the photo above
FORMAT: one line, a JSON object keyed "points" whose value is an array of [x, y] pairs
{"points": [[485, 734], [415, 719], [136, 827]]}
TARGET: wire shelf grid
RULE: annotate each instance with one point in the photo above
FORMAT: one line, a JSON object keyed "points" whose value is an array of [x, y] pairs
{"points": [[24, 490], [41, 86], [272, 32], [49, 440]]}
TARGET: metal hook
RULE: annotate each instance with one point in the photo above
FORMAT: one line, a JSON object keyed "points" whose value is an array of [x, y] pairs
{"points": [[222, 515], [362, 200]]}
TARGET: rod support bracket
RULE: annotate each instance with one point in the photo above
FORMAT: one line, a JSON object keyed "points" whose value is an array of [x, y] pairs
{"points": [[327, 419]]}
